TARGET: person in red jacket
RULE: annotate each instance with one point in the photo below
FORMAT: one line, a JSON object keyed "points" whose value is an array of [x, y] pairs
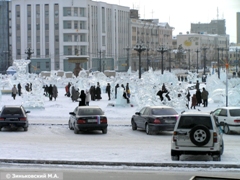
{"points": [[194, 101]]}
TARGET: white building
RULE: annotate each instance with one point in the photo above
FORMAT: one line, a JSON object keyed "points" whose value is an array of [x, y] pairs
{"points": [[58, 29]]}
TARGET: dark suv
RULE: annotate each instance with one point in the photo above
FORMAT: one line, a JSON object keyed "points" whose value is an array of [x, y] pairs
{"points": [[14, 117], [197, 133]]}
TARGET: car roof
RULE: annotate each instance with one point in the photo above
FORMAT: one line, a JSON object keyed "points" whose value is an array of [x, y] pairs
{"points": [[159, 107], [192, 113], [12, 106], [229, 108], [88, 107]]}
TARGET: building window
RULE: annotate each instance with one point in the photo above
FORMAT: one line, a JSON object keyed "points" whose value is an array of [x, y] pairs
{"points": [[56, 51], [82, 25], [29, 39], [29, 27], [38, 52], [75, 25], [38, 27], [18, 14], [67, 25], [76, 38], [56, 26], [82, 12], [46, 14], [47, 51], [67, 50], [75, 11], [18, 51], [46, 27], [38, 65], [38, 39], [29, 14], [56, 13], [18, 27], [47, 65], [18, 39], [46, 38], [37, 14], [66, 11], [82, 38], [56, 38]]}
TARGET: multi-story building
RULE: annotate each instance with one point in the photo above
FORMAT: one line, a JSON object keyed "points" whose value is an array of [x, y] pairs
{"points": [[214, 27], [195, 50], [58, 30], [238, 27], [5, 53], [153, 35]]}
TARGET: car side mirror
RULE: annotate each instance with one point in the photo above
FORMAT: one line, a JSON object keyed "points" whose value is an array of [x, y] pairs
{"points": [[27, 111], [138, 113], [72, 113]]}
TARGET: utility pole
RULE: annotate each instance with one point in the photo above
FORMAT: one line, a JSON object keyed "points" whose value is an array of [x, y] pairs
{"points": [[139, 48], [197, 51], [169, 56], [29, 52], [204, 60], [148, 61], [218, 63], [188, 59], [162, 50], [100, 52], [128, 63]]}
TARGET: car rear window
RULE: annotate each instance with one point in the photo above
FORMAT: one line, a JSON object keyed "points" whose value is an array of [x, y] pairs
{"points": [[90, 112], [188, 122], [12, 111], [234, 112], [165, 111]]}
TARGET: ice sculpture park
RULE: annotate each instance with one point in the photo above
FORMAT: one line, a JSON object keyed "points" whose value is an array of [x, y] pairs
{"points": [[143, 91]]}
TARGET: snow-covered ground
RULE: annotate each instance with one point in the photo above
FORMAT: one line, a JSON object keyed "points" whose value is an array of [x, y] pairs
{"points": [[49, 138]]}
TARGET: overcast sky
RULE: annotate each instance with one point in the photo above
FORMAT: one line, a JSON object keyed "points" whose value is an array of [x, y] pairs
{"points": [[181, 13]]}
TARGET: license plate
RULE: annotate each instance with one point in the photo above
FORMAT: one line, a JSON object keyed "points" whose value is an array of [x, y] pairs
{"points": [[92, 120], [183, 137], [170, 121]]}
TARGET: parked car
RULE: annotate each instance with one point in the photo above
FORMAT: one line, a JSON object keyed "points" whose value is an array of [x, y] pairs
{"points": [[197, 133], [87, 118], [14, 117], [154, 119], [229, 118]]}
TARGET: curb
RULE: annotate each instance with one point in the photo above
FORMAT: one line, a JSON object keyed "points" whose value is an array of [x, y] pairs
{"points": [[134, 164]]}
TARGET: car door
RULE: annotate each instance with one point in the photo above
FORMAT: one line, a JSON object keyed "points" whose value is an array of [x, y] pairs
{"points": [[140, 118], [72, 117], [222, 116]]}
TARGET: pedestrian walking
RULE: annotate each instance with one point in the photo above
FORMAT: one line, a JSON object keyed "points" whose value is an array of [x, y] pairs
{"points": [[55, 92], [82, 97], [205, 97], [194, 101], [199, 97], [19, 89], [50, 92], [87, 100], [108, 91], [92, 92], [14, 91], [98, 93], [116, 87], [188, 99], [197, 85], [128, 90]]}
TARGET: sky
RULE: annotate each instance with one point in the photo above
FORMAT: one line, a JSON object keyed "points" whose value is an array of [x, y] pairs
{"points": [[180, 14]]}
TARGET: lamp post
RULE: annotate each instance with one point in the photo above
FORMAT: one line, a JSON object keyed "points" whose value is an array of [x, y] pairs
{"points": [[161, 50], [188, 59], [218, 63], [197, 51], [204, 60], [29, 52], [128, 49], [236, 60], [148, 61], [139, 48], [169, 50]]}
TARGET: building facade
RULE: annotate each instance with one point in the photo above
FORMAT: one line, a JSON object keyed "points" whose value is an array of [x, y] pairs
{"points": [[238, 27], [214, 27], [5, 51], [200, 49], [56, 30]]}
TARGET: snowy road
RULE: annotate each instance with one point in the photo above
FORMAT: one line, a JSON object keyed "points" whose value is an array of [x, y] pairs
{"points": [[120, 144]]}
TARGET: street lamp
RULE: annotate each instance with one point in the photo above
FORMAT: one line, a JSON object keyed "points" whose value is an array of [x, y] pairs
{"points": [[197, 51], [128, 49], [148, 61], [161, 50], [29, 52], [236, 61], [218, 63], [169, 56], [188, 59], [204, 60], [139, 48]]}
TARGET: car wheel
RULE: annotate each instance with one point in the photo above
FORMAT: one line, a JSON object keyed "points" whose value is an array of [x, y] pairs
{"points": [[69, 125], [175, 158], [147, 129], [25, 128], [222, 148], [134, 125], [226, 129], [104, 131], [76, 131], [200, 135]]}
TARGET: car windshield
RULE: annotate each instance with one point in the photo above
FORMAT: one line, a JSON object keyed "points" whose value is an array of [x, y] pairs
{"points": [[164, 111], [234, 112], [93, 111], [188, 122], [12, 111]]}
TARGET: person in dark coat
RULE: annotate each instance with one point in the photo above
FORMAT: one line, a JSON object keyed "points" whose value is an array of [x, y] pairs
{"points": [[14, 91], [197, 85], [128, 90], [194, 101], [19, 89], [55, 92], [98, 93], [199, 97], [50, 92], [108, 91], [205, 97], [92, 93], [82, 98], [116, 87], [46, 90], [125, 96], [188, 99]]}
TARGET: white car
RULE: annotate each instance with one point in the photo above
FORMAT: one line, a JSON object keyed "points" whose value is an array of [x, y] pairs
{"points": [[229, 118], [197, 133]]}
